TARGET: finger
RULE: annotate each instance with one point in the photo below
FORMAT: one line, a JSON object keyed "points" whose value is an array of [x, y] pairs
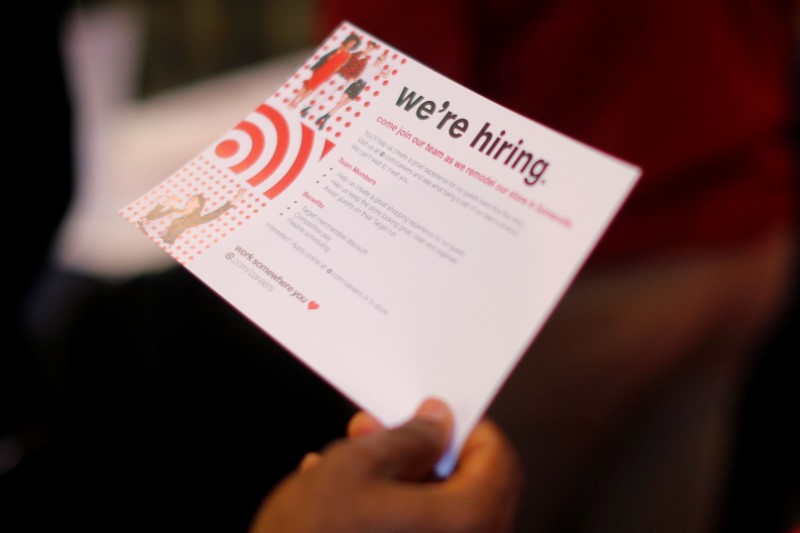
{"points": [[362, 424], [309, 461], [437, 411], [409, 451], [481, 494], [488, 475], [487, 454]]}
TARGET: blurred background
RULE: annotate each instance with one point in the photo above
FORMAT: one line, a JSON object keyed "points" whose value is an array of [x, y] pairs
{"points": [[133, 397]]}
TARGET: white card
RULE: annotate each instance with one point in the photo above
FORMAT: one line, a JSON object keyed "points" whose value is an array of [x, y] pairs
{"points": [[398, 233]]}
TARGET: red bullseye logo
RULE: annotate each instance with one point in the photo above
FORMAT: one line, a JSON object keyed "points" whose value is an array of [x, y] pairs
{"points": [[265, 149], [227, 148]]}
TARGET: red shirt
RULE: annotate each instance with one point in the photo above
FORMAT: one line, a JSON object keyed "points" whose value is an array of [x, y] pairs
{"points": [[695, 93], [354, 66]]}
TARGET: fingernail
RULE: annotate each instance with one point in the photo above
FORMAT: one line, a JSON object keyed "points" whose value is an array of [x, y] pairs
{"points": [[433, 409]]}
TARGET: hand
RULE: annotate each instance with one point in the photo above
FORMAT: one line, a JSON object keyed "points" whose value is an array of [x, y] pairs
{"points": [[170, 202], [239, 195], [379, 480]]}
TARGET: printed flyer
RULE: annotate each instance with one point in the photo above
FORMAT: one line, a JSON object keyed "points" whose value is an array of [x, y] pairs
{"points": [[401, 235]]}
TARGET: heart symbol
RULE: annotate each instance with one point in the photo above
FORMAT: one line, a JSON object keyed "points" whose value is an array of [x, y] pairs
{"points": [[313, 305]]}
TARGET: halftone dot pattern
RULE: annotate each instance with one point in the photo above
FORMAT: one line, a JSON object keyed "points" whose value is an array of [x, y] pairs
{"points": [[330, 99], [163, 206]]}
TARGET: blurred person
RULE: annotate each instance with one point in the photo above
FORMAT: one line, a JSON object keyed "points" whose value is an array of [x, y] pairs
{"points": [[380, 480], [623, 408]]}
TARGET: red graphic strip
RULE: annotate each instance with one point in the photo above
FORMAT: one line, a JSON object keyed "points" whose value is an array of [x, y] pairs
{"points": [[326, 148], [302, 158]]}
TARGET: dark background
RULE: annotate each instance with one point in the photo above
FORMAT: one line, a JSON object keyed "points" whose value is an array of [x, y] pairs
{"points": [[151, 403]]}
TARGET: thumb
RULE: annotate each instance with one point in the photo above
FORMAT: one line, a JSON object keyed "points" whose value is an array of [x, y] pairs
{"points": [[411, 450]]}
